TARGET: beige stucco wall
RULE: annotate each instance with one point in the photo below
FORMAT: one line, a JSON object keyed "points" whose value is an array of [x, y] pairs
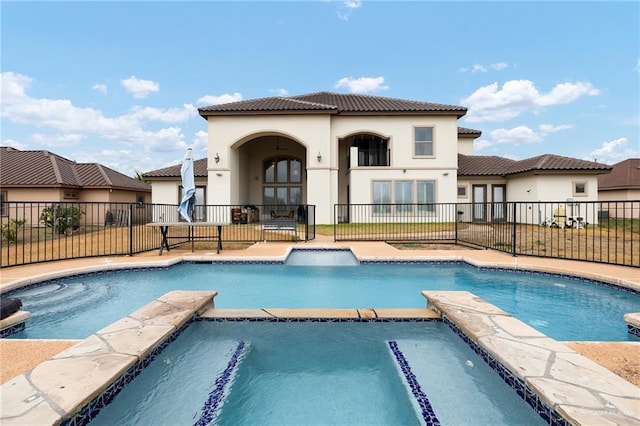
{"points": [[237, 178], [93, 202], [465, 145], [618, 203]]}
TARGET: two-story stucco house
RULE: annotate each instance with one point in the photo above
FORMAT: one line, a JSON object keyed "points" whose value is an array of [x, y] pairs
{"points": [[328, 148]]}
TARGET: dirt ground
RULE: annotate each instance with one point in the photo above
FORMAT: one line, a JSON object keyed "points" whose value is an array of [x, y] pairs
{"points": [[623, 358]]}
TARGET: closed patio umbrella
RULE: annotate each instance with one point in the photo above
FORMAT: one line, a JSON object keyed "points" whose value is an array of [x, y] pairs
{"points": [[188, 202]]}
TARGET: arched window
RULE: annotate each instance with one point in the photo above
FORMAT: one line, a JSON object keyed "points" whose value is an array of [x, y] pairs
{"points": [[282, 183]]}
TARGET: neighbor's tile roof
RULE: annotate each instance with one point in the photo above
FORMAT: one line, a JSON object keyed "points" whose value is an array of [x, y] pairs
{"points": [[624, 175], [199, 170], [45, 169], [479, 165], [334, 103]]}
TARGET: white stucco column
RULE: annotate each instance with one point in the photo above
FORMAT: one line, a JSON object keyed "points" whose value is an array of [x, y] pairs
{"points": [[322, 192]]}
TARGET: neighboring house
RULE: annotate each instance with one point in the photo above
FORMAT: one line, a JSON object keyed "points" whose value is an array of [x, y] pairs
{"points": [[44, 177], [327, 148], [166, 186], [622, 184]]}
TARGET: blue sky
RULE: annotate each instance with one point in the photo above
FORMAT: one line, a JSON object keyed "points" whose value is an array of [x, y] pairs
{"points": [[119, 83]]}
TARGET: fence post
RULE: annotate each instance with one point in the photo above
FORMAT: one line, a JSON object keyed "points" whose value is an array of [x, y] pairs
{"points": [[130, 229], [513, 230], [455, 220]]}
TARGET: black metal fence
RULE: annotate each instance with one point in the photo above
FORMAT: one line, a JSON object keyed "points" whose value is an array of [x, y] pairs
{"points": [[32, 232], [607, 232]]}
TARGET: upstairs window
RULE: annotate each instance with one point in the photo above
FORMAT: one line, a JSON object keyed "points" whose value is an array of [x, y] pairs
{"points": [[423, 141]]}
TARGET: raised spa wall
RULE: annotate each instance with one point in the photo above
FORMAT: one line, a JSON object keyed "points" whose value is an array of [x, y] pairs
{"points": [[561, 385]]}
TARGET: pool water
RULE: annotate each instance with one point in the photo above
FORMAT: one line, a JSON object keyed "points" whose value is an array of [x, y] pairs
{"points": [[560, 307], [316, 374]]}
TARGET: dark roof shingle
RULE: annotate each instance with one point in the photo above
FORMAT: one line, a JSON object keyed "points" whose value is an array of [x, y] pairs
{"points": [[334, 103], [199, 170], [480, 165], [624, 175], [45, 169]]}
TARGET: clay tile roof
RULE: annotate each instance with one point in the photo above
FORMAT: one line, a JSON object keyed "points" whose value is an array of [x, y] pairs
{"points": [[334, 103], [199, 170], [45, 169], [551, 162], [469, 132], [481, 165], [624, 175]]}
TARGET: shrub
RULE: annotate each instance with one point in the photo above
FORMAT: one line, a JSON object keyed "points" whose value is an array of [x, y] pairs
{"points": [[61, 219], [10, 230]]}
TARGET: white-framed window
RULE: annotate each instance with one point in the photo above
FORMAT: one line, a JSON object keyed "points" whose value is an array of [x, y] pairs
{"points": [[382, 196], [404, 196], [462, 191], [580, 189], [426, 190], [423, 141]]}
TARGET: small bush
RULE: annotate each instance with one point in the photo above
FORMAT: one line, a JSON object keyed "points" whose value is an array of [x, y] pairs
{"points": [[61, 219], [10, 230]]}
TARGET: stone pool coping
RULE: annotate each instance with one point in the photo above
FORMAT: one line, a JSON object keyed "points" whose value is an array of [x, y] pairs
{"points": [[581, 391], [91, 372]]}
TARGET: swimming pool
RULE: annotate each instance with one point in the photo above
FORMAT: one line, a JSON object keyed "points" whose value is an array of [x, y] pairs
{"points": [[561, 307], [317, 374]]}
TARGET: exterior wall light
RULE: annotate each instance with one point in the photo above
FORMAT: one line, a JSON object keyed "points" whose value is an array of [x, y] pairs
{"points": [[319, 157], [217, 158]]}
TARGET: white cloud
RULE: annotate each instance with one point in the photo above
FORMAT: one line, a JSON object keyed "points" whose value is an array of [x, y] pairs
{"points": [[482, 68], [489, 103], [200, 141], [221, 99], [638, 66], [362, 84], [280, 92], [612, 152], [171, 115], [550, 128], [13, 87], [76, 122], [13, 144], [346, 8], [516, 135], [102, 88], [57, 140], [139, 88], [519, 135]]}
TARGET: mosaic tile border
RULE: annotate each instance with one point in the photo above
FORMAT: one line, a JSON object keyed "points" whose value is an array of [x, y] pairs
{"points": [[8, 331], [632, 329], [93, 408], [426, 410], [310, 319], [209, 410], [548, 414]]}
